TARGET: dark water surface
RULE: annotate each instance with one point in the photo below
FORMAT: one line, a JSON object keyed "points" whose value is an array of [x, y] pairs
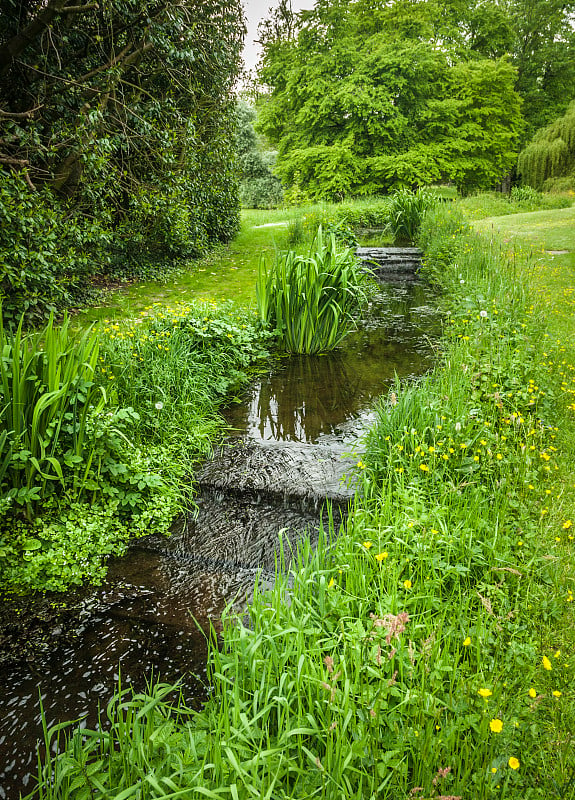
{"points": [[293, 440]]}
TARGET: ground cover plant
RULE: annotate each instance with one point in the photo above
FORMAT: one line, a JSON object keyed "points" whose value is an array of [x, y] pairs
{"points": [[82, 471], [425, 650], [73, 487]]}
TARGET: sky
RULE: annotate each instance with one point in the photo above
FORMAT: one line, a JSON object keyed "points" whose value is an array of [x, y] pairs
{"points": [[255, 11]]}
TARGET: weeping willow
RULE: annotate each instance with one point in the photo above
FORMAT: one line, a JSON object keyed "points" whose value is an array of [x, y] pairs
{"points": [[551, 153]]}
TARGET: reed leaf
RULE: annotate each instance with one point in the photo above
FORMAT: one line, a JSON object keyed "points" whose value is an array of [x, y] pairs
{"points": [[48, 388], [312, 301]]}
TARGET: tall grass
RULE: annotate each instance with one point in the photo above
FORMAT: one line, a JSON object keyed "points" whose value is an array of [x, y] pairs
{"points": [[405, 213], [415, 652], [49, 392], [312, 301]]}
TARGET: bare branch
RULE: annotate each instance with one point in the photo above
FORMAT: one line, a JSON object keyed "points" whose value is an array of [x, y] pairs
{"points": [[79, 9], [20, 114]]}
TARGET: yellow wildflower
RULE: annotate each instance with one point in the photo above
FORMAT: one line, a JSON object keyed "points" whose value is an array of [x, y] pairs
{"points": [[496, 726]]}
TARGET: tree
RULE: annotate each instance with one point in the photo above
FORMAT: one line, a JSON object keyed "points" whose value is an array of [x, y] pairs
{"points": [[259, 187], [551, 153], [365, 102], [539, 38], [124, 110]]}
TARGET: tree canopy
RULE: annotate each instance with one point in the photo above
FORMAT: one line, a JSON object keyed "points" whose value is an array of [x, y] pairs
{"points": [[368, 96]]}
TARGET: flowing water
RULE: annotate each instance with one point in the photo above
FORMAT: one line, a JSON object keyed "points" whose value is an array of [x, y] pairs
{"points": [[293, 439]]}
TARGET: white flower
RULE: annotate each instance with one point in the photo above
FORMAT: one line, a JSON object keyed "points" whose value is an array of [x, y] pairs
{"points": [[159, 405], [462, 281], [483, 314], [458, 426]]}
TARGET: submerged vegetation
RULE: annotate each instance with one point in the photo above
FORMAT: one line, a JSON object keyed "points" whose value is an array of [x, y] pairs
{"points": [[426, 648]]}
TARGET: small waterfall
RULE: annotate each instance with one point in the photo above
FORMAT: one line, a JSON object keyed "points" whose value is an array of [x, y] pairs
{"points": [[391, 264]]}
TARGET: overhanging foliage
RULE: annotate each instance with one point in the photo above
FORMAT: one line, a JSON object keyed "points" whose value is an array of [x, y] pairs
{"points": [[123, 109]]}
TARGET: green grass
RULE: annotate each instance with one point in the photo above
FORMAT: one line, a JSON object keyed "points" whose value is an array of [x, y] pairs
{"points": [[522, 200], [547, 230], [231, 271], [426, 649]]}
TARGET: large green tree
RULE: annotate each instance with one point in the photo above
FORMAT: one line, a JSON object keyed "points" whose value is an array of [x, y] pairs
{"points": [[124, 111], [551, 153], [369, 95]]}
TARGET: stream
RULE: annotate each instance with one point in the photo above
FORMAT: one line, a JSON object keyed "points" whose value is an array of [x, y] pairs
{"points": [[292, 441]]}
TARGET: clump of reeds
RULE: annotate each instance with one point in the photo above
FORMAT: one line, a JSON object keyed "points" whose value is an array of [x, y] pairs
{"points": [[312, 300]]}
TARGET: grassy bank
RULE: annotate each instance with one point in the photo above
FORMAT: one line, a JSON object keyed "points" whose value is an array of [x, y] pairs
{"points": [[427, 650], [232, 270], [102, 433]]}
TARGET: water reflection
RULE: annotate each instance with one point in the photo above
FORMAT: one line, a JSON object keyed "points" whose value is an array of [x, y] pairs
{"points": [[312, 396]]}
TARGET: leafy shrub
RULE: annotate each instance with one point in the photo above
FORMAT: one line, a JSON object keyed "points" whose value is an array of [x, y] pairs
{"points": [[557, 185], [311, 300], [175, 365], [59, 436], [72, 486], [47, 252], [524, 194], [262, 192], [348, 218]]}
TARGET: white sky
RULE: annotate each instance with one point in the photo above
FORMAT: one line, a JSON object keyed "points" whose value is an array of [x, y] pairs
{"points": [[255, 11]]}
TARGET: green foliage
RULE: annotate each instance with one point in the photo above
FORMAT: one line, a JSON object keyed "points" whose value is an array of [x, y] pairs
{"points": [[311, 300], [70, 544], [406, 212], [47, 253], [60, 438], [551, 154], [119, 125], [49, 400], [73, 487], [559, 185], [87, 469], [259, 187], [176, 365], [355, 111]]}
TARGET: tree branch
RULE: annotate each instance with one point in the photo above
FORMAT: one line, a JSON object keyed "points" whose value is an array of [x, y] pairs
{"points": [[11, 49], [20, 114]]}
